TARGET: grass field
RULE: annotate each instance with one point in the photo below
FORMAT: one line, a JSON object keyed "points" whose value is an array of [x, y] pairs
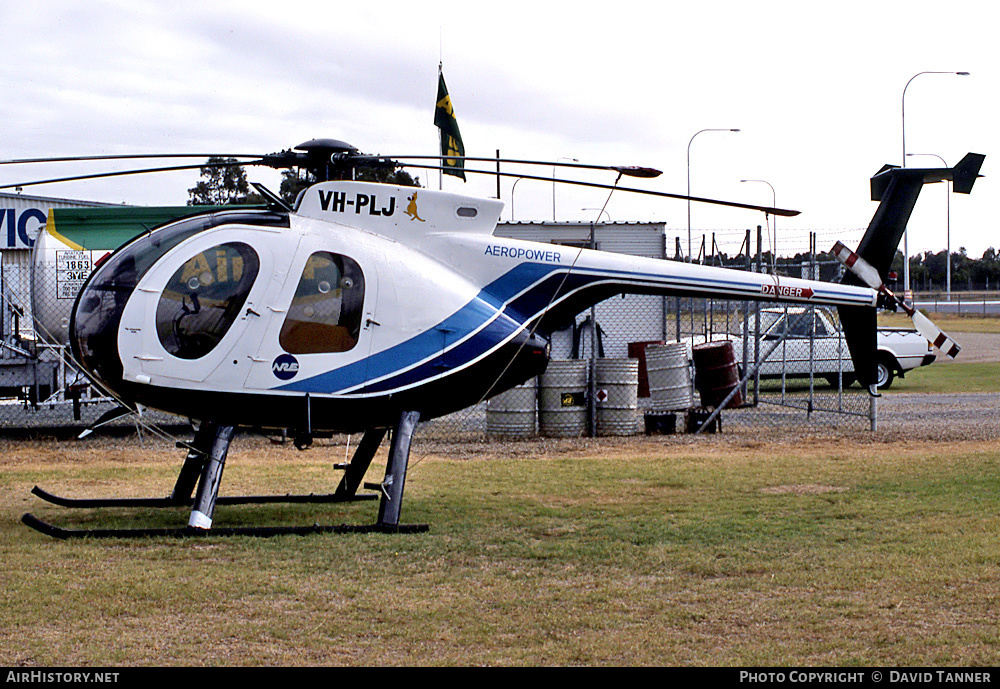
{"points": [[725, 550], [950, 378], [721, 552], [947, 322]]}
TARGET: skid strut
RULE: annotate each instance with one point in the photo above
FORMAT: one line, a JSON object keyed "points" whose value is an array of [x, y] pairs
{"points": [[395, 470], [203, 467], [211, 477]]}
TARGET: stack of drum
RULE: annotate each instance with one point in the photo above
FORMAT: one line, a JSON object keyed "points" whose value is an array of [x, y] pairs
{"points": [[562, 395]]}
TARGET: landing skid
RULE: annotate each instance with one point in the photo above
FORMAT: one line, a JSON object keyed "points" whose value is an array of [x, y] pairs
{"points": [[203, 469], [192, 532], [174, 502]]}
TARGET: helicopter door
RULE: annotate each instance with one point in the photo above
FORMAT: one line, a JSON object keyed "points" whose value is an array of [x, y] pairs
{"points": [[193, 308], [320, 341]]}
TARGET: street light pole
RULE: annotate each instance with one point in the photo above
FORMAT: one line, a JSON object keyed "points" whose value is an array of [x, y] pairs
{"points": [[689, 179], [512, 188], [774, 223], [907, 293]]}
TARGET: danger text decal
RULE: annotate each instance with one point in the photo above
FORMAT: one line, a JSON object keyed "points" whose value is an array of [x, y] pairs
{"points": [[785, 292]]}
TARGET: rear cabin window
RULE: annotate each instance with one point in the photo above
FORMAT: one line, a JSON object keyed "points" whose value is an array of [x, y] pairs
{"points": [[203, 299], [325, 314]]}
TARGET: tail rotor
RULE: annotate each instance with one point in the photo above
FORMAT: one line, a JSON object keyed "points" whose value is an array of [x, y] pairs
{"points": [[868, 274]]}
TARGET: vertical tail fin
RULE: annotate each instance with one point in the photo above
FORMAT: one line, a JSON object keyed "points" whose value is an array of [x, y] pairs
{"points": [[896, 189]]}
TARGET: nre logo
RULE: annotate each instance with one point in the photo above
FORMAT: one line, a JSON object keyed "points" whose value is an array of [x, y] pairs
{"points": [[285, 367]]}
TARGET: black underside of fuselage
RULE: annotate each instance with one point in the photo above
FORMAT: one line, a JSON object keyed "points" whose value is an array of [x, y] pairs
{"points": [[510, 365]]}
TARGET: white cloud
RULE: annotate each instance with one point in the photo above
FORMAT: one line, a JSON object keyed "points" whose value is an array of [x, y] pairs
{"points": [[816, 91]]}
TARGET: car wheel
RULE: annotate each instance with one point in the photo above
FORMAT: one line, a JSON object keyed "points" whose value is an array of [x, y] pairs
{"points": [[884, 374]]}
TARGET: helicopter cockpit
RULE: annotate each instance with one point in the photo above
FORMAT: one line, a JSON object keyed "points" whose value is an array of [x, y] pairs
{"points": [[193, 311], [203, 298]]}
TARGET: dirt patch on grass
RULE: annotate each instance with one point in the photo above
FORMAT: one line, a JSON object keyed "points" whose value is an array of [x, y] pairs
{"points": [[802, 489]]}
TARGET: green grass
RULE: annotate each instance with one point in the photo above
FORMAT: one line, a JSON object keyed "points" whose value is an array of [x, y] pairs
{"points": [[638, 552], [950, 378], [948, 322]]}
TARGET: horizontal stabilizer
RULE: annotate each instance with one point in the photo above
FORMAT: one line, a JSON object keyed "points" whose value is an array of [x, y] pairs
{"points": [[896, 189]]}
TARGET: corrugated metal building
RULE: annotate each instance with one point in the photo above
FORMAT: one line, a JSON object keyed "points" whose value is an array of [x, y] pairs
{"points": [[22, 364]]}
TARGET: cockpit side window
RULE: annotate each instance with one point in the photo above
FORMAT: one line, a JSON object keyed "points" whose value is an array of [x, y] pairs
{"points": [[325, 314], [204, 297]]}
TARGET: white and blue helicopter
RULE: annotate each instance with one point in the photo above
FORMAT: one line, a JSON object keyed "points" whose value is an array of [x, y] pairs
{"points": [[369, 307]]}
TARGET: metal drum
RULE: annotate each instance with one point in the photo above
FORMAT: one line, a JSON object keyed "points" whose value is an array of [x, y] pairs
{"points": [[617, 396], [637, 350], [511, 414], [669, 372], [562, 398], [716, 373]]}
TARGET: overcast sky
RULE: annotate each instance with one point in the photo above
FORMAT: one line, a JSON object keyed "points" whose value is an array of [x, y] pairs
{"points": [[815, 88]]}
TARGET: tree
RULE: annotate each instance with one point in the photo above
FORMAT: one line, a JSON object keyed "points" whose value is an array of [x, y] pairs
{"points": [[224, 183]]}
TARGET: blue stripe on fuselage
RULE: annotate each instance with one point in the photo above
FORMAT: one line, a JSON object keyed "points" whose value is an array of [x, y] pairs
{"points": [[519, 295], [433, 342]]}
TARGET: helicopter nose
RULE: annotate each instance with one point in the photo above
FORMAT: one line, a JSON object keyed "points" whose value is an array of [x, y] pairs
{"points": [[97, 314]]}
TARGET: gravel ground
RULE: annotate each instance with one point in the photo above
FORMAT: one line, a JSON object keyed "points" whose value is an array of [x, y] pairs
{"points": [[976, 348], [957, 416]]}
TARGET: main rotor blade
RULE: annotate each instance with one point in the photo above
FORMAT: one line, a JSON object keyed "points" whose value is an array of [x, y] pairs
{"points": [[649, 192], [119, 173], [628, 170], [135, 156]]}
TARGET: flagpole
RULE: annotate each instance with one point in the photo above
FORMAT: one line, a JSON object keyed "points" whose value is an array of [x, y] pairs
{"points": [[440, 133], [451, 145]]}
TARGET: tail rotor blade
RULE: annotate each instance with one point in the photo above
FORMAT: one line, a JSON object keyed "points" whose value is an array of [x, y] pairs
{"points": [[869, 275], [935, 335], [859, 266]]}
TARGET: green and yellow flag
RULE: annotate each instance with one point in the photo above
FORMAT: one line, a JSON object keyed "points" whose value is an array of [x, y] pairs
{"points": [[451, 138]]}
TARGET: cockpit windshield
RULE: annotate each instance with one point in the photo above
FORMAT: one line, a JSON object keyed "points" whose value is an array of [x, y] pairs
{"points": [[99, 306], [204, 297]]}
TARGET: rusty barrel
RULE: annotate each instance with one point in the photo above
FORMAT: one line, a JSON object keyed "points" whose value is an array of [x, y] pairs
{"points": [[716, 373]]}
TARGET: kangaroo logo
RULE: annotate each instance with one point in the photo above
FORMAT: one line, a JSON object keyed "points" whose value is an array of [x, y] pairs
{"points": [[411, 209]]}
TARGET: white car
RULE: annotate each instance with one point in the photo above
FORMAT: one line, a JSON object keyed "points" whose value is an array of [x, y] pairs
{"points": [[818, 346]]}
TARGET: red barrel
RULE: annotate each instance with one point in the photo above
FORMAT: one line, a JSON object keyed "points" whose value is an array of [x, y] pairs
{"points": [[716, 373]]}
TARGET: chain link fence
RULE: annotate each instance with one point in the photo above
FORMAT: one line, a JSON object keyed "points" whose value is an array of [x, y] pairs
{"points": [[632, 364], [643, 364]]}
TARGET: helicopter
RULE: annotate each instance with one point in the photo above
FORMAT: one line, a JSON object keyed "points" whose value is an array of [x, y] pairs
{"points": [[368, 308]]}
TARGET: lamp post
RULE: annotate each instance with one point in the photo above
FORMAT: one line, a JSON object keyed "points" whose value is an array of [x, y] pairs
{"points": [[512, 188], [947, 224], [689, 179], [907, 293], [573, 160], [774, 223]]}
